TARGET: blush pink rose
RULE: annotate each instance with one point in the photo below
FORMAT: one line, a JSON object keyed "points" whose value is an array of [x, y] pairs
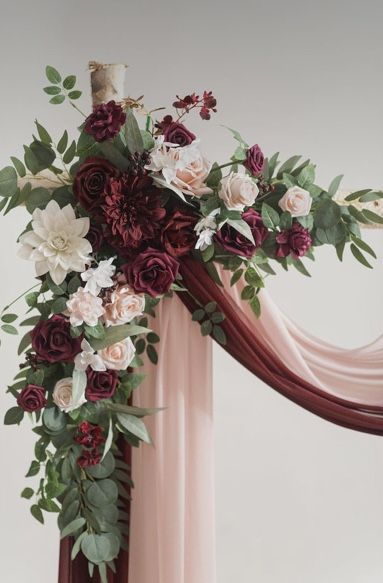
{"points": [[296, 201], [84, 307], [118, 356], [238, 190], [123, 305]]}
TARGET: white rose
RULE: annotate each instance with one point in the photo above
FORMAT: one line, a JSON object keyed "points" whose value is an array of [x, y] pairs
{"points": [[237, 191], [63, 396], [296, 201], [118, 356], [123, 305]]}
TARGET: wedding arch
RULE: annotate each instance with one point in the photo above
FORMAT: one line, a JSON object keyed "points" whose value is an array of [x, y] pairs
{"points": [[144, 252]]}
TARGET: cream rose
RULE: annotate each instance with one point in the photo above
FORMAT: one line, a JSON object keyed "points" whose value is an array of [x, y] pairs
{"points": [[296, 201], [237, 191], [118, 356], [182, 169], [84, 307], [123, 305], [63, 396]]}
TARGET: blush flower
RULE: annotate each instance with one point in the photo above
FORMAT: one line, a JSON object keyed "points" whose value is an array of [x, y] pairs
{"points": [[56, 242], [296, 201], [118, 356], [123, 305], [63, 396], [181, 169], [238, 190], [84, 307]]}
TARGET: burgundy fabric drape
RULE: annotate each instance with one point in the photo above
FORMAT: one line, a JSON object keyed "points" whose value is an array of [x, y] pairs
{"points": [[249, 350]]}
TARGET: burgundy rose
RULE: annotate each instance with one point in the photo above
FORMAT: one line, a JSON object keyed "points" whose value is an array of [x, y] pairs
{"points": [[133, 213], [101, 385], [91, 182], [106, 121], [52, 342], [89, 435], [151, 272], [95, 237], [89, 457], [178, 235], [231, 240], [32, 398], [255, 160], [177, 133], [295, 241]]}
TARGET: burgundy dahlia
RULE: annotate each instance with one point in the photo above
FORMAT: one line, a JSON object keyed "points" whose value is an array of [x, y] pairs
{"points": [[151, 272], [231, 240], [89, 435], [178, 236], [52, 342], [101, 385], [32, 398], [295, 242], [106, 121], [255, 160], [89, 457], [133, 213]]}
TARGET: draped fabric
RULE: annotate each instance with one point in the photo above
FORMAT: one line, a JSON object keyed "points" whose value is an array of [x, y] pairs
{"points": [[332, 394], [172, 509]]}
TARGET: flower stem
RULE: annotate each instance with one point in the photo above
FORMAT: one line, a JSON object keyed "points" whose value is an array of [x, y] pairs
{"points": [[19, 298]]}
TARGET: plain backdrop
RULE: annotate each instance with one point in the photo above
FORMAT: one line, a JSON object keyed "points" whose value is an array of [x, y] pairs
{"points": [[298, 499]]}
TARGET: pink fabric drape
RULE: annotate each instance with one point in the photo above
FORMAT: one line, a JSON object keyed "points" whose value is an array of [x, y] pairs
{"points": [[172, 511]]}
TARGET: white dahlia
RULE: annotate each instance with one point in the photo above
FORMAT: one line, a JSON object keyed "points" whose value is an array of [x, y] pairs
{"points": [[56, 242]]}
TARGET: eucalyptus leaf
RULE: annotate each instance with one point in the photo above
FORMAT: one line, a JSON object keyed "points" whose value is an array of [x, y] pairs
{"points": [[134, 425]]}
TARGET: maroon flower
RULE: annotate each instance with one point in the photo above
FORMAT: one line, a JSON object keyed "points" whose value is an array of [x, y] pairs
{"points": [[231, 240], [101, 385], [177, 133], [255, 160], [295, 241], [89, 457], [32, 398], [89, 435], [52, 342], [178, 235], [151, 272], [92, 180], [106, 121], [133, 213], [95, 237]]}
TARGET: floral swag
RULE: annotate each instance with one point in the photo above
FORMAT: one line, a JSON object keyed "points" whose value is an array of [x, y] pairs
{"points": [[119, 212]]}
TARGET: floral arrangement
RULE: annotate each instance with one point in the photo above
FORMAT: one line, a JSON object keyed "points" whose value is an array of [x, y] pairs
{"points": [[118, 209]]}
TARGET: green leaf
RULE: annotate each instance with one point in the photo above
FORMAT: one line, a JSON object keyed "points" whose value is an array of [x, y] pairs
{"points": [[248, 292], [97, 331], [112, 154], [255, 305], [115, 334], [34, 469], [152, 353], [236, 276], [135, 426], [38, 198], [104, 469], [74, 94], [43, 134], [73, 526], [219, 335], [253, 278], [8, 181], [8, 318], [102, 493], [332, 235], [213, 273], [100, 548], [9, 329], [354, 212], [108, 442], [208, 253], [24, 343], [371, 197], [237, 136], [198, 315], [70, 153], [327, 215], [206, 328], [59, 306], [20, 168], [52, 90], [52, 74], [286, 221], [54, 419], [270, 216], [43, 155], [364, 246], [373, 217], [63, 142], [299, 266], [14, 416], [242, 227], [77, 545], [357, 194], [334, 186], [217, 317], [133, 135], [359, 256], [214, 177], [36, 513], [288, 166], [57, 99], [69, 82], [307, 222], [306, 176], [27, 493]]}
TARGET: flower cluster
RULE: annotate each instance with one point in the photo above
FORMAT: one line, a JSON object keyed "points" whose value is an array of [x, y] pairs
{"points": [[108, 241]]}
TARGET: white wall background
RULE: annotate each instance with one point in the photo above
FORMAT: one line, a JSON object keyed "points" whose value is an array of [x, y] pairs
{"points": [[298, 499]]}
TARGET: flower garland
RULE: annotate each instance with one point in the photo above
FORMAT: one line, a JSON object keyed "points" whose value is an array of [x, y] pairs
{"points": [[122, 207]]}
